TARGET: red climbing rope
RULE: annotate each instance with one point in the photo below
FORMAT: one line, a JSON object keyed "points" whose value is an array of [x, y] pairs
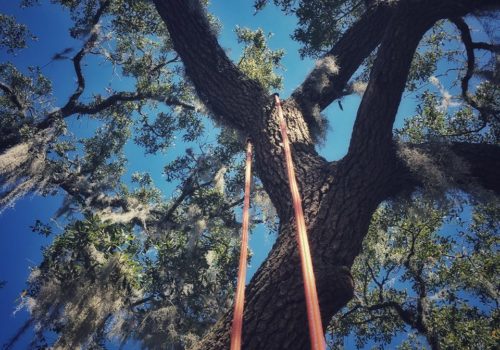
{"points": [[239, 299], [312, 304], [313, 314]]}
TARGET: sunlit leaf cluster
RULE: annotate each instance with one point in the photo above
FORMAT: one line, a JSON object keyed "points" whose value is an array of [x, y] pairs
{"points": [[258, 61]]}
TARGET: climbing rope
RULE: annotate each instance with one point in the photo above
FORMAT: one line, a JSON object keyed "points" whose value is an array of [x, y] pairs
{"points": [[311, 296], [239, 299], [313, 314]]}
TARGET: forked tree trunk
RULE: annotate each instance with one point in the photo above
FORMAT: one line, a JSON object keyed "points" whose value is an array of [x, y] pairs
{"points": [[338, 204]]}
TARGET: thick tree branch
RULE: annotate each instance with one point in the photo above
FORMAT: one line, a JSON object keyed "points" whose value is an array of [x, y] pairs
{"points": [[127, 97], [471, 60], [482, 163], [230, 95], [100, 106], [486, 46], [328, 79], [372, 131], [464, 165]]}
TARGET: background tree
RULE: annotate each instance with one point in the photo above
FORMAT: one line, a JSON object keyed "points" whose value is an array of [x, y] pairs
{"points": [[161, 271]]}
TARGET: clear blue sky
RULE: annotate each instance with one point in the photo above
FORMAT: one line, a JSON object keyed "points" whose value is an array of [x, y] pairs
{"points": [[19, 247]]}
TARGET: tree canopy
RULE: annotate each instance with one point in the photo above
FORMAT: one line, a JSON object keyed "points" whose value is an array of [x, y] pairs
{"points": [[404, 228]]}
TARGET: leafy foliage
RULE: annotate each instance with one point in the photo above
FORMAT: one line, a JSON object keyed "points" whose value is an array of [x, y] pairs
{"points": [[258, 61], [422, 271], [320, 22], [12, 34], [439, 118], [102, 281]]}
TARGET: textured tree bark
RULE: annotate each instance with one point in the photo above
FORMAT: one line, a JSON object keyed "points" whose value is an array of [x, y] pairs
{"points": [[338, 198]]}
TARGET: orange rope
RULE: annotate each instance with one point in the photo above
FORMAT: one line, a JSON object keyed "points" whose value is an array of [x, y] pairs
{"points": [[242, 270], [313, 314]]}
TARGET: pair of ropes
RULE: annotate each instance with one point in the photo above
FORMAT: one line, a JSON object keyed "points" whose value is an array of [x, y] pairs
{"points": [[313, 313]]}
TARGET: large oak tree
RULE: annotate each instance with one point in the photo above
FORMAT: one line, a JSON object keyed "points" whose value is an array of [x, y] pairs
{"points": [[339, 198]]}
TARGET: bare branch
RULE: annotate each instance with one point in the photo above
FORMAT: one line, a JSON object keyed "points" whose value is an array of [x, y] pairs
{"points": [[411, 253], [188, 189], [15, 338], [77, 59], [485, 113], [374, 279], [165, 63], [471, 60], [123, 96]]}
